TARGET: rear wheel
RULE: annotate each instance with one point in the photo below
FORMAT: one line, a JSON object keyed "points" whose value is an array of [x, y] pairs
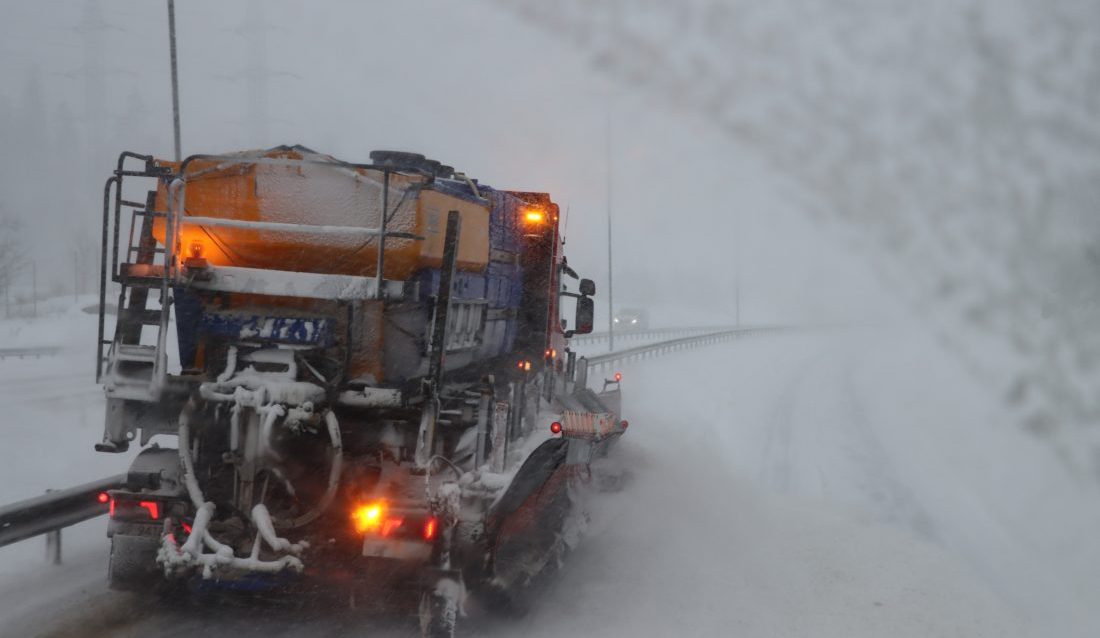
{"points": [[133, 563], [439, 609]]}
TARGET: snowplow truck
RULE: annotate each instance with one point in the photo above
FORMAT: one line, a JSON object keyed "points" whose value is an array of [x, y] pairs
{"points": [[344, 376]]}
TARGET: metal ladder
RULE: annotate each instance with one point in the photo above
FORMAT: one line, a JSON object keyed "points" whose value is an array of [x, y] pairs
{"points": [[130, 369]]}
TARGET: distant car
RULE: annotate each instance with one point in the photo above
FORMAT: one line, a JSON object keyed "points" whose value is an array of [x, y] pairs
{"points": [[631, 319]]}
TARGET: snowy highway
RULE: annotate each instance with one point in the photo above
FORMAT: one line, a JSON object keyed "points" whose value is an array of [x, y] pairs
{"points": [[829, 483]]}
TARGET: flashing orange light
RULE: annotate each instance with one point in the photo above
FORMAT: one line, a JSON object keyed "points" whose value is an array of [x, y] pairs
{"points": [[103, 497], [618, 376], [555, 428], [196, 249], [430, 528], [368, 517], [534, 216]]}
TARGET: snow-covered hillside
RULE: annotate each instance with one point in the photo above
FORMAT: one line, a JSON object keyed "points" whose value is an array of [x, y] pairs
{"points": [[957, 140]]}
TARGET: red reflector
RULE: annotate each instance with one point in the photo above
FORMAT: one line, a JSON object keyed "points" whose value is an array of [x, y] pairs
{"points": [[103, 497], [111, 511], [153, 507], [555, 427], [429, 529], [625, 424], [618, 376]]}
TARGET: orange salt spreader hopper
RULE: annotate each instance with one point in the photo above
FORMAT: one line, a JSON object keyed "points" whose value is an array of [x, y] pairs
{"points": [[301, 187]]}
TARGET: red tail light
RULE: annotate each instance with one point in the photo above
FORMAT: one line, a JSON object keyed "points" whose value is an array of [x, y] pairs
{"points": [[103, 497], [555, 427], [618, 376], [430, 528], [133, 510], [152, 507]]}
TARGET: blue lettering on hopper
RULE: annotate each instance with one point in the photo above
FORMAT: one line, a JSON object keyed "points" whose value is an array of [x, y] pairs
{"points": [[306, 331]]}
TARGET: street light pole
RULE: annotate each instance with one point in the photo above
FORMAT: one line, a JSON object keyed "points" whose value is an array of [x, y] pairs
{"points": [[175, 77], [610, 296]]}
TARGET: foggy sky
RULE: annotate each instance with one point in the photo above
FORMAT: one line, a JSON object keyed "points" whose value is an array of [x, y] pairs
{"points": [[82, 81]]}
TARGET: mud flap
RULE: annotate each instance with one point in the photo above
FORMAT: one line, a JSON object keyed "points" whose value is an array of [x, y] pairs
{"points": [[526, 524]]}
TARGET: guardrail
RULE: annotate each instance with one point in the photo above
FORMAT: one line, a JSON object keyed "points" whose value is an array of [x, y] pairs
{"points": [[585, 364], [44, 351], [641, 335], [53, 511]]}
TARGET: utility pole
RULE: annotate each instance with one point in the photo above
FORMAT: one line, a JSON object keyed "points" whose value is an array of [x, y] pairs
{"points": [[610, 296], [175, 77]]}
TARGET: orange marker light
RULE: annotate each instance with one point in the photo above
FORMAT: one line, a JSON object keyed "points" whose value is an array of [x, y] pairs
{"points": [[534, 216], [555, 427], [618, 376], [368, 517], [430, 528]]}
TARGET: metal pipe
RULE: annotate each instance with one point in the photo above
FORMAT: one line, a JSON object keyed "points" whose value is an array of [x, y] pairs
{"points": [[382, 232], [483, 408], [103, 276], [344, 231], [425, 448]]}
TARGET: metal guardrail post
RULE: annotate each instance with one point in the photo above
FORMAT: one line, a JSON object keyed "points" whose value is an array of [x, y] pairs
{"points": [[53, 544], [53, 547]]}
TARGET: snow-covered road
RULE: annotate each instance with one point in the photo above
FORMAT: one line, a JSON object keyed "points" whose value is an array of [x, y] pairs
{"points": [[825, 484]]}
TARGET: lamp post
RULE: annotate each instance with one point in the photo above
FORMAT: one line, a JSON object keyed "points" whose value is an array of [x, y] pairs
{"points": [[175, 77], [610, 296]]}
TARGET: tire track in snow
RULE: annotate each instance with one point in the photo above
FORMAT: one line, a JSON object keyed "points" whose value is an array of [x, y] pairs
{"points": [[892, 500], [777, 466]]}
